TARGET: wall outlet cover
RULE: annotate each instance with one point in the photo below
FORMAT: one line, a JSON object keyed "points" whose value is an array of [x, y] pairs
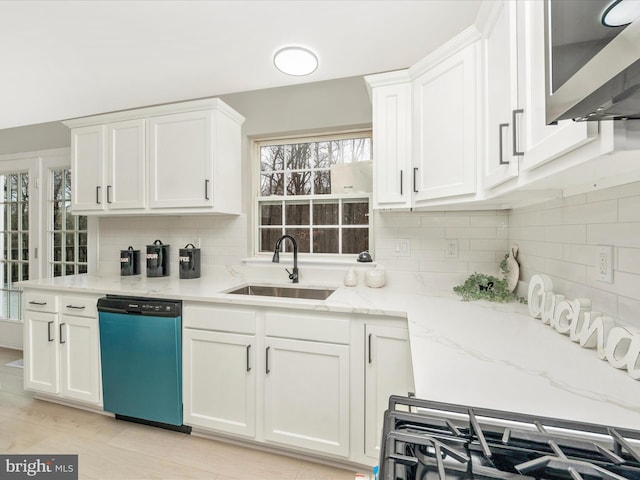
{"points": [[403, 247], [604, 264], [451, 250]]}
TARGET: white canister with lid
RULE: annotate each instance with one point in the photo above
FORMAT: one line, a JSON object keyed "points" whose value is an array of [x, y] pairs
{"points": [[376, 277]]}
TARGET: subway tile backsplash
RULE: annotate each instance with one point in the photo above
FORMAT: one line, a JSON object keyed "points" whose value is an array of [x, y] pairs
{"points": [[223, 239], [561, 238], [481, 238], [558, 238]]}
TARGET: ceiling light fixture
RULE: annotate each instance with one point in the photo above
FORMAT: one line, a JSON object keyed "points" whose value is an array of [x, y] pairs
{"points": [[296, 61], [621, 12]]}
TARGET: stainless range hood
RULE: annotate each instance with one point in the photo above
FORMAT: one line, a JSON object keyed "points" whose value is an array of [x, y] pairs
{"points": [[592, 71]]}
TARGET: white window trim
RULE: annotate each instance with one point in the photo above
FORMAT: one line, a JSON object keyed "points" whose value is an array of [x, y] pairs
{"points": [[39, 164], [48, 164], [28, 162], [328, 259]]}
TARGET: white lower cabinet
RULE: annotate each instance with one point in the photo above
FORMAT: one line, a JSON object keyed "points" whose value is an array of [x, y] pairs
{"points": [[313, 382], [388, 372], [62, 346], [220, 381], [41, 352], [307, 395]]}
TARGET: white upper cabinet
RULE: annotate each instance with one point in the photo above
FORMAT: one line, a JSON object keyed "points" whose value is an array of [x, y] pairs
{"points": [[391, 100], [88, 156], [502, 108], [108, 167], [477, 131], [125, 166], [445, 121], [179, 158], [425, 122]]}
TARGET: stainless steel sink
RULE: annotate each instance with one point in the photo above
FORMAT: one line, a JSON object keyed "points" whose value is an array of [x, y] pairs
{"points": [[287, 292]]}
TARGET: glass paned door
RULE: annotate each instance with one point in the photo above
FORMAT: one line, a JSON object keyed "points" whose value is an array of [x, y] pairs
{"points": [[14, 239], [67, 232]]}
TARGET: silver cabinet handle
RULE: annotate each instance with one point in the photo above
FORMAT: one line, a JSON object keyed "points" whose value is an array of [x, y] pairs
{"points": [[514, 122], [401, 182], [500, 128], [108, 193], [369, 348], [267, 360], [248, 365], [33, 302], [206, 189], [49, 337], [76, 308], [60, 330], [98, 195], [415, 170]]}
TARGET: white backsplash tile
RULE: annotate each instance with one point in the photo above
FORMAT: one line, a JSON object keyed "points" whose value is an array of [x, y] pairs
{"points": [[223, 239], [481, 238], [573, 229]]}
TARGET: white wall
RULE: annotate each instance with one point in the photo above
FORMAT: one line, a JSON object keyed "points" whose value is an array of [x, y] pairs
{"points": [[561, 238]]}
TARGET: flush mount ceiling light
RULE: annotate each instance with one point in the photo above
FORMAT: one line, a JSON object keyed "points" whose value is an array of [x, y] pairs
{"points": [[295, 61], [621, 12]]}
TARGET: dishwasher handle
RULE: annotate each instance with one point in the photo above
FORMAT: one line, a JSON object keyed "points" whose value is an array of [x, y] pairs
{"points": [[112, 310]]}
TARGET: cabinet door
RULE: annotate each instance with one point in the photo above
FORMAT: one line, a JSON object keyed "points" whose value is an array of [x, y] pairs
{"points": [[501, 163], [41, 358], [543, 142], [220, 381], [307, 395], [125, 185], [445, 123], [87, 164], [388, 372], [79, 358], [392, 146], [181, 160]]}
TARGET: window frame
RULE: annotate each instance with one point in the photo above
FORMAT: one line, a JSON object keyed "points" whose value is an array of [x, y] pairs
{"points": [[59, 160], [255, 160]]}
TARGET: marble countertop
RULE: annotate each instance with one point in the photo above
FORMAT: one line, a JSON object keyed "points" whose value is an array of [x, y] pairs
{"points": [[474, 353]]}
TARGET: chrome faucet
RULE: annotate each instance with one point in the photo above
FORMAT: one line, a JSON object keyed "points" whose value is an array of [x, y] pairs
{"points": [[293, 276]]}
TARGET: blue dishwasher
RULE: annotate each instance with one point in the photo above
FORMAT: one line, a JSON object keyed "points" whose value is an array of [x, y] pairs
{"points": [[141, 353]]}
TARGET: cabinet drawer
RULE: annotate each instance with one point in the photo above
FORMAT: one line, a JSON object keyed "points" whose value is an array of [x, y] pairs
{"points": [[40, 302], [223, 319], [79, 306], [319, 328]]}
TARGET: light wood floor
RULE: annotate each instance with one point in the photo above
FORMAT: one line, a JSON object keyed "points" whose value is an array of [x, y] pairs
{"points": [[110, 449]]}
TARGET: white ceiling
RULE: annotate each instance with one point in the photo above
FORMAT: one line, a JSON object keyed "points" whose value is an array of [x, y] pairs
{"points": [[65, 59]]}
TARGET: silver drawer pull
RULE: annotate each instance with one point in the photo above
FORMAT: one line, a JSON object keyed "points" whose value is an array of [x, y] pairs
{"points": [[33, 302], [76, 308]]}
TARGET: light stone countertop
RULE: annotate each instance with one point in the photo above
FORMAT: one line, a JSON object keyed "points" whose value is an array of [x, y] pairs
{"points": [[474, 353]]}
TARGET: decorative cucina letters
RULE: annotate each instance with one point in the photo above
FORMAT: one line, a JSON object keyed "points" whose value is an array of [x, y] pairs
{"points": [[620, 346]]}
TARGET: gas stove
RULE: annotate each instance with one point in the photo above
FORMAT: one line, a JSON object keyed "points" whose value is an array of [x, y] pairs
{"points": [[432, 440]]}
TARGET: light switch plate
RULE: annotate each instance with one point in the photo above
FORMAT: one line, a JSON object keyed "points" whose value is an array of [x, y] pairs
{"points": [[604, 264], [403, 247]]}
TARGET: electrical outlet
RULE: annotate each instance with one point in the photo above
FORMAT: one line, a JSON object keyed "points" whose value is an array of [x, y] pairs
{"points": [[604, 264], [452, 249], [403, 247]]}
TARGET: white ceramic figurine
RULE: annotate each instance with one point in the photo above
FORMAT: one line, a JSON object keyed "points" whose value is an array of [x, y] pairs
{"points": [[514, 269]]}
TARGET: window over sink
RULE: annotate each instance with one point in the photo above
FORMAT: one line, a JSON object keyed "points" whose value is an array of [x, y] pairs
{"points": [[317, 189]]}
